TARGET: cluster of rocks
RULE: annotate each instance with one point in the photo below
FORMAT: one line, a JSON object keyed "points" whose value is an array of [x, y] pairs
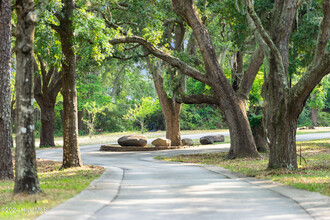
{"points": [[141, 141]]}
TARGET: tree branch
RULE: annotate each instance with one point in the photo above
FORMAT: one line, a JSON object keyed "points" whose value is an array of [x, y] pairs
{"points": [[197, 99], [128, 58], [250, 74], [173, 61], [320, 66]]}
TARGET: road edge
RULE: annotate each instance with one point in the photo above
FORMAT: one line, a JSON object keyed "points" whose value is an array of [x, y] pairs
{"points": [[98, 194]]}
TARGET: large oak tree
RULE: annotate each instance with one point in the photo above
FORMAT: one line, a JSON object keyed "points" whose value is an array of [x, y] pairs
{"points": [[283, 103], [231, 102]]}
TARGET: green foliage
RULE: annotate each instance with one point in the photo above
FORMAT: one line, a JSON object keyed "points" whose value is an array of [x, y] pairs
{"points": [[255, 120], [140, 111], [197, 117], [93, 99]]}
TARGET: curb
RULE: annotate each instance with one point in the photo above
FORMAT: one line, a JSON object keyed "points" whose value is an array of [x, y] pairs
{"points": [[98, 194], [315, 204]]}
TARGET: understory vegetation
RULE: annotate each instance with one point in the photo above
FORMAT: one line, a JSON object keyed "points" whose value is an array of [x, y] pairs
{"points": [[313, 171], [57, 186]]}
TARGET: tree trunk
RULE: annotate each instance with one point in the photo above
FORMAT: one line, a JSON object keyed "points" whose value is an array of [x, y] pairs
{"points": [[260, 138], [71, 152], [80, 121], [241, 139], [314, 116], [26, 178], [283, 145], [314, 113], [6, 164], [172, 121], [47, 125]]}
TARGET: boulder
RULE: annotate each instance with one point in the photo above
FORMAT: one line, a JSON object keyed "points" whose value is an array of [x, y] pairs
{"points": [[133, 140], [187, 142], [218, 138], [206, 140], [162, 142]]}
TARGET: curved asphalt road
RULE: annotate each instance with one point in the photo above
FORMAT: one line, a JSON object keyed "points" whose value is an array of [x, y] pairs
{"points": [[137, 187]]}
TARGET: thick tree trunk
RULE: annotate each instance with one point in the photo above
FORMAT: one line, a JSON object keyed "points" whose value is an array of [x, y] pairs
{"points": [[281, 132], [26, 178], [241, 139], [6, 164], [47, 125], [71, 152], [172, 121]]}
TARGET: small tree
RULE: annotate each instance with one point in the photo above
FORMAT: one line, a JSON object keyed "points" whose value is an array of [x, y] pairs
{"points": [[141, 111]]}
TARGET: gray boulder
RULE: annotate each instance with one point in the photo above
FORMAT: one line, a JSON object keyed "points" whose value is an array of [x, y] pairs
{"points": [[187, 142], [206, 140], [218, 138], [133, 140], [161, 142]]}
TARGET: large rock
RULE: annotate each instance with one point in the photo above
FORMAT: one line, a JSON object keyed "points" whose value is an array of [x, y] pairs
{"points": [[206, 140], [187, 142], [162, 142], [133, 140], [218, 138]]}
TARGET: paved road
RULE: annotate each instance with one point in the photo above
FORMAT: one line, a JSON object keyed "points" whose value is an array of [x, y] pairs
{"points": [[137, 187]]}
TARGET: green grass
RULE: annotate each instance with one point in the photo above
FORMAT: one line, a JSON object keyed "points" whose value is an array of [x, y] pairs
{"points": [[313, 176], [57, 186]]}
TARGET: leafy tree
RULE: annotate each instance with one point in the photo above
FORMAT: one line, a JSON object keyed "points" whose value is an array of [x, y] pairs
{"points": [[93, 99], [6, 141], [284, 103], [65, 29], [232, 102], [141, 111], [47, 85]]}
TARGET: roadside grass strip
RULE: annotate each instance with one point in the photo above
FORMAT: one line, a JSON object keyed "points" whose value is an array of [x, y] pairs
{"points": [[57, 186]]}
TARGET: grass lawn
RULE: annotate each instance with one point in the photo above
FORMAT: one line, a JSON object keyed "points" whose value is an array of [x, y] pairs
{"points": [[57, 186], [313, 176]]}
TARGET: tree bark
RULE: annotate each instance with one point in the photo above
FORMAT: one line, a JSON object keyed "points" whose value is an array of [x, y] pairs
{"points": [[6, 141], [71, 152], [26, 178], [314, 116], [314, 113]]}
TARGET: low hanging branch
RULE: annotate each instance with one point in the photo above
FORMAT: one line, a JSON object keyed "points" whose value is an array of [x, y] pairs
{"points": [[185, 68]]}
